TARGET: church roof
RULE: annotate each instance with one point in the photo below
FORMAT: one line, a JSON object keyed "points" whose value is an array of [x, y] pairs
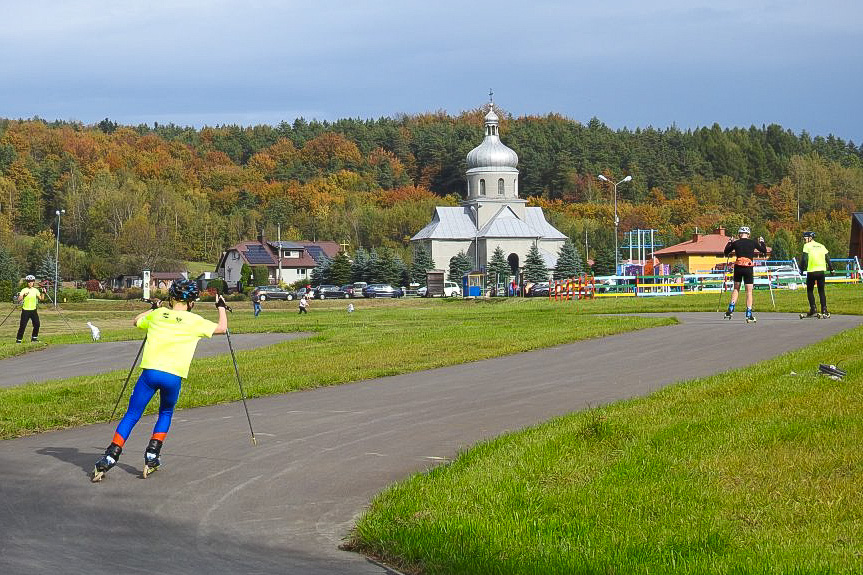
{"points": [[505, 224], [492, 153], [449, 223], [456, 223]]}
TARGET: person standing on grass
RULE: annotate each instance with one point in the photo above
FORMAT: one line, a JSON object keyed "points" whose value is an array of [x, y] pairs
{"points": [[304, 303], [256, 301], [744, 249], [29, 298], [816, 262], [172, 336]]}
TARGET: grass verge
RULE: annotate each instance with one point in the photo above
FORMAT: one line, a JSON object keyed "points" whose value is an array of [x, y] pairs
{"points": [[752, 471], [381, 338]]}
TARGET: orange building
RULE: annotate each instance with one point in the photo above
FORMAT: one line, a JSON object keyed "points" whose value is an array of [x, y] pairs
{"points": [[699, 255]]}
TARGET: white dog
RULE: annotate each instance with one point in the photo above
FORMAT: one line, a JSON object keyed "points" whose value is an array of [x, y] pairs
{"points": [[95, 330]]}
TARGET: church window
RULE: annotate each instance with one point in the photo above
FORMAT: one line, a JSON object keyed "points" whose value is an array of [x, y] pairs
{"points": [[500, 187], [482, 187]]}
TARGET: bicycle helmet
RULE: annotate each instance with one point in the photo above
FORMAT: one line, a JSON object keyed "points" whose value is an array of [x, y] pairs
{"points": [[30, 278], [808, 234], [744, 230], [184, 290]]}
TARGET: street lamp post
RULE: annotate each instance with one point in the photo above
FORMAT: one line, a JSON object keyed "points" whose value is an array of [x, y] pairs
{"points": [[57, 256], [616, 219]]}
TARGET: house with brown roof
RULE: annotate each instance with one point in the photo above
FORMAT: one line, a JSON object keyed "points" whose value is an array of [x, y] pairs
{"points": [[294, 260], [699, 255]]}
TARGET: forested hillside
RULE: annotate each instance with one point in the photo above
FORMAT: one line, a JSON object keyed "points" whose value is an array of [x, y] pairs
{"points": [[147, 196]]}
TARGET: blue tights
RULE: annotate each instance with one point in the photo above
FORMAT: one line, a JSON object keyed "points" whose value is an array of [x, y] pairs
{"points": [[151, 380]]}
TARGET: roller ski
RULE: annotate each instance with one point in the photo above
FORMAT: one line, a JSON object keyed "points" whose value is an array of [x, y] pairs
{"points": [[109, 460], [814, 315], [151, 457], [750, 318], [728, 315]]}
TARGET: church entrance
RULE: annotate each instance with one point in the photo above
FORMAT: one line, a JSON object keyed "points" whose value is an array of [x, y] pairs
{"points": [[513, 263]]}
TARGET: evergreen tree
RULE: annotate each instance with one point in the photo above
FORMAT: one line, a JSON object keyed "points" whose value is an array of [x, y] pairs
{"points": [[400, 277], [45, 270], [421, 264], [498, 269], [9, 270], [459, 265], [603, 261], [321, 273], [360, 265], [569, 263], [534, 266], [340, 270]]}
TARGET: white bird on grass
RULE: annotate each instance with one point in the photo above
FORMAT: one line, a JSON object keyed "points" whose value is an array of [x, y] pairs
{"points": [[95, 330]]}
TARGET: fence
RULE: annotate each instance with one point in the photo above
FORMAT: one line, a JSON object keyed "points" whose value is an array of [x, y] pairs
{"points": [[775, 274]]}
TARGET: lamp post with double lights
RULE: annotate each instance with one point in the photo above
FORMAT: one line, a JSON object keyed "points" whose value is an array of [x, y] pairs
{"points": [[57, 256], [616, 219]]}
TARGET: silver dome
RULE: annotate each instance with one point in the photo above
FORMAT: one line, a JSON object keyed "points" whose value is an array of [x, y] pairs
{"points": [[492, 153]]}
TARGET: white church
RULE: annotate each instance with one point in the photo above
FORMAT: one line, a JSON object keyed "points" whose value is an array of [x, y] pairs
{"points": [[492, 215]]}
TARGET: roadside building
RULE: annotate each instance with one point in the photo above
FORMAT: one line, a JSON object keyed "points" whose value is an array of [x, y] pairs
{"points": [[855, 247], [701, 254], [298, 259]]}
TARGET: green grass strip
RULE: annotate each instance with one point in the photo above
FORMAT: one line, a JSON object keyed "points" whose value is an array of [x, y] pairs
{"points": [[758, 470]]}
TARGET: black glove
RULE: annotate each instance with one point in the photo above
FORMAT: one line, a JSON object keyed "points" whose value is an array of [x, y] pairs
{"points": [[220, 301], [154, 303]]}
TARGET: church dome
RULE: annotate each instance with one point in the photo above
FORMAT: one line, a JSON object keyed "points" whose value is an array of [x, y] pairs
{"points": [[492, 153]]}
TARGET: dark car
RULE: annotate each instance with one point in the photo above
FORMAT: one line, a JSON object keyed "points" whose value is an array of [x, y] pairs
{"points": [[381, 290], [330, 292], [539, 289], [349, 289], [274, 292]]}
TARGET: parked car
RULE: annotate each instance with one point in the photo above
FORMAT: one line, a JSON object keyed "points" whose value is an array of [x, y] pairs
{"points": [[274, 292], [309, 293], [330, 292], [450, 289], [349, 289], [381, 290], [539, 289]]}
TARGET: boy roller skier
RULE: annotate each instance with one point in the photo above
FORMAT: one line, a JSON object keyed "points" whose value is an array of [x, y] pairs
{"points": [[29, 298], [172, 336], [744, 249], [815, 263]]}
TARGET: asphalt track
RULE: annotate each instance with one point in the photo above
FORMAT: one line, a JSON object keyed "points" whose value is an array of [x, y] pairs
{"points": [[219, 505]]}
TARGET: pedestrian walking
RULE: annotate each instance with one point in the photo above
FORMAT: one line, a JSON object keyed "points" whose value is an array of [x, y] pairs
{"points": [[816, 262], [172, 336], [304, 304], [29, 298], [744, 249], [256, 301]]}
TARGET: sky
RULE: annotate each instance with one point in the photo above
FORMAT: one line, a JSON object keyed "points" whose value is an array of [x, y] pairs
{"points": [[629, 63]]}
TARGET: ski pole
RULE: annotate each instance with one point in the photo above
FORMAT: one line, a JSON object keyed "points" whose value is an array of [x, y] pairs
{"points": [[14, 307], [239, 381], [63, 317], [128, 377], [722, 286], [770, 285]]}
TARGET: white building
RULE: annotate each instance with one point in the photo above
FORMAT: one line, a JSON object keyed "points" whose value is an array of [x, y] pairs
{"points": [[492, 215]]}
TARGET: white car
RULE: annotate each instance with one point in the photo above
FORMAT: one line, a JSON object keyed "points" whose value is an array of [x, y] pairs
{"points": [[450, 289]]}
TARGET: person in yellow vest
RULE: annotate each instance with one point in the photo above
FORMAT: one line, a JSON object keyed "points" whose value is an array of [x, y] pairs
{"points": [[816, 262], [29, 298], [172, 337]]}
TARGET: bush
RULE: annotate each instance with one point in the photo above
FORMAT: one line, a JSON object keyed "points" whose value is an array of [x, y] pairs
{"points": [[217, 284], [72, 295], [6, 291], [92, 286]]}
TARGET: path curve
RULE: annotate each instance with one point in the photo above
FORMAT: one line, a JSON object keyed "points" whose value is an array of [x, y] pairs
{"points": [[222, 506]]}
